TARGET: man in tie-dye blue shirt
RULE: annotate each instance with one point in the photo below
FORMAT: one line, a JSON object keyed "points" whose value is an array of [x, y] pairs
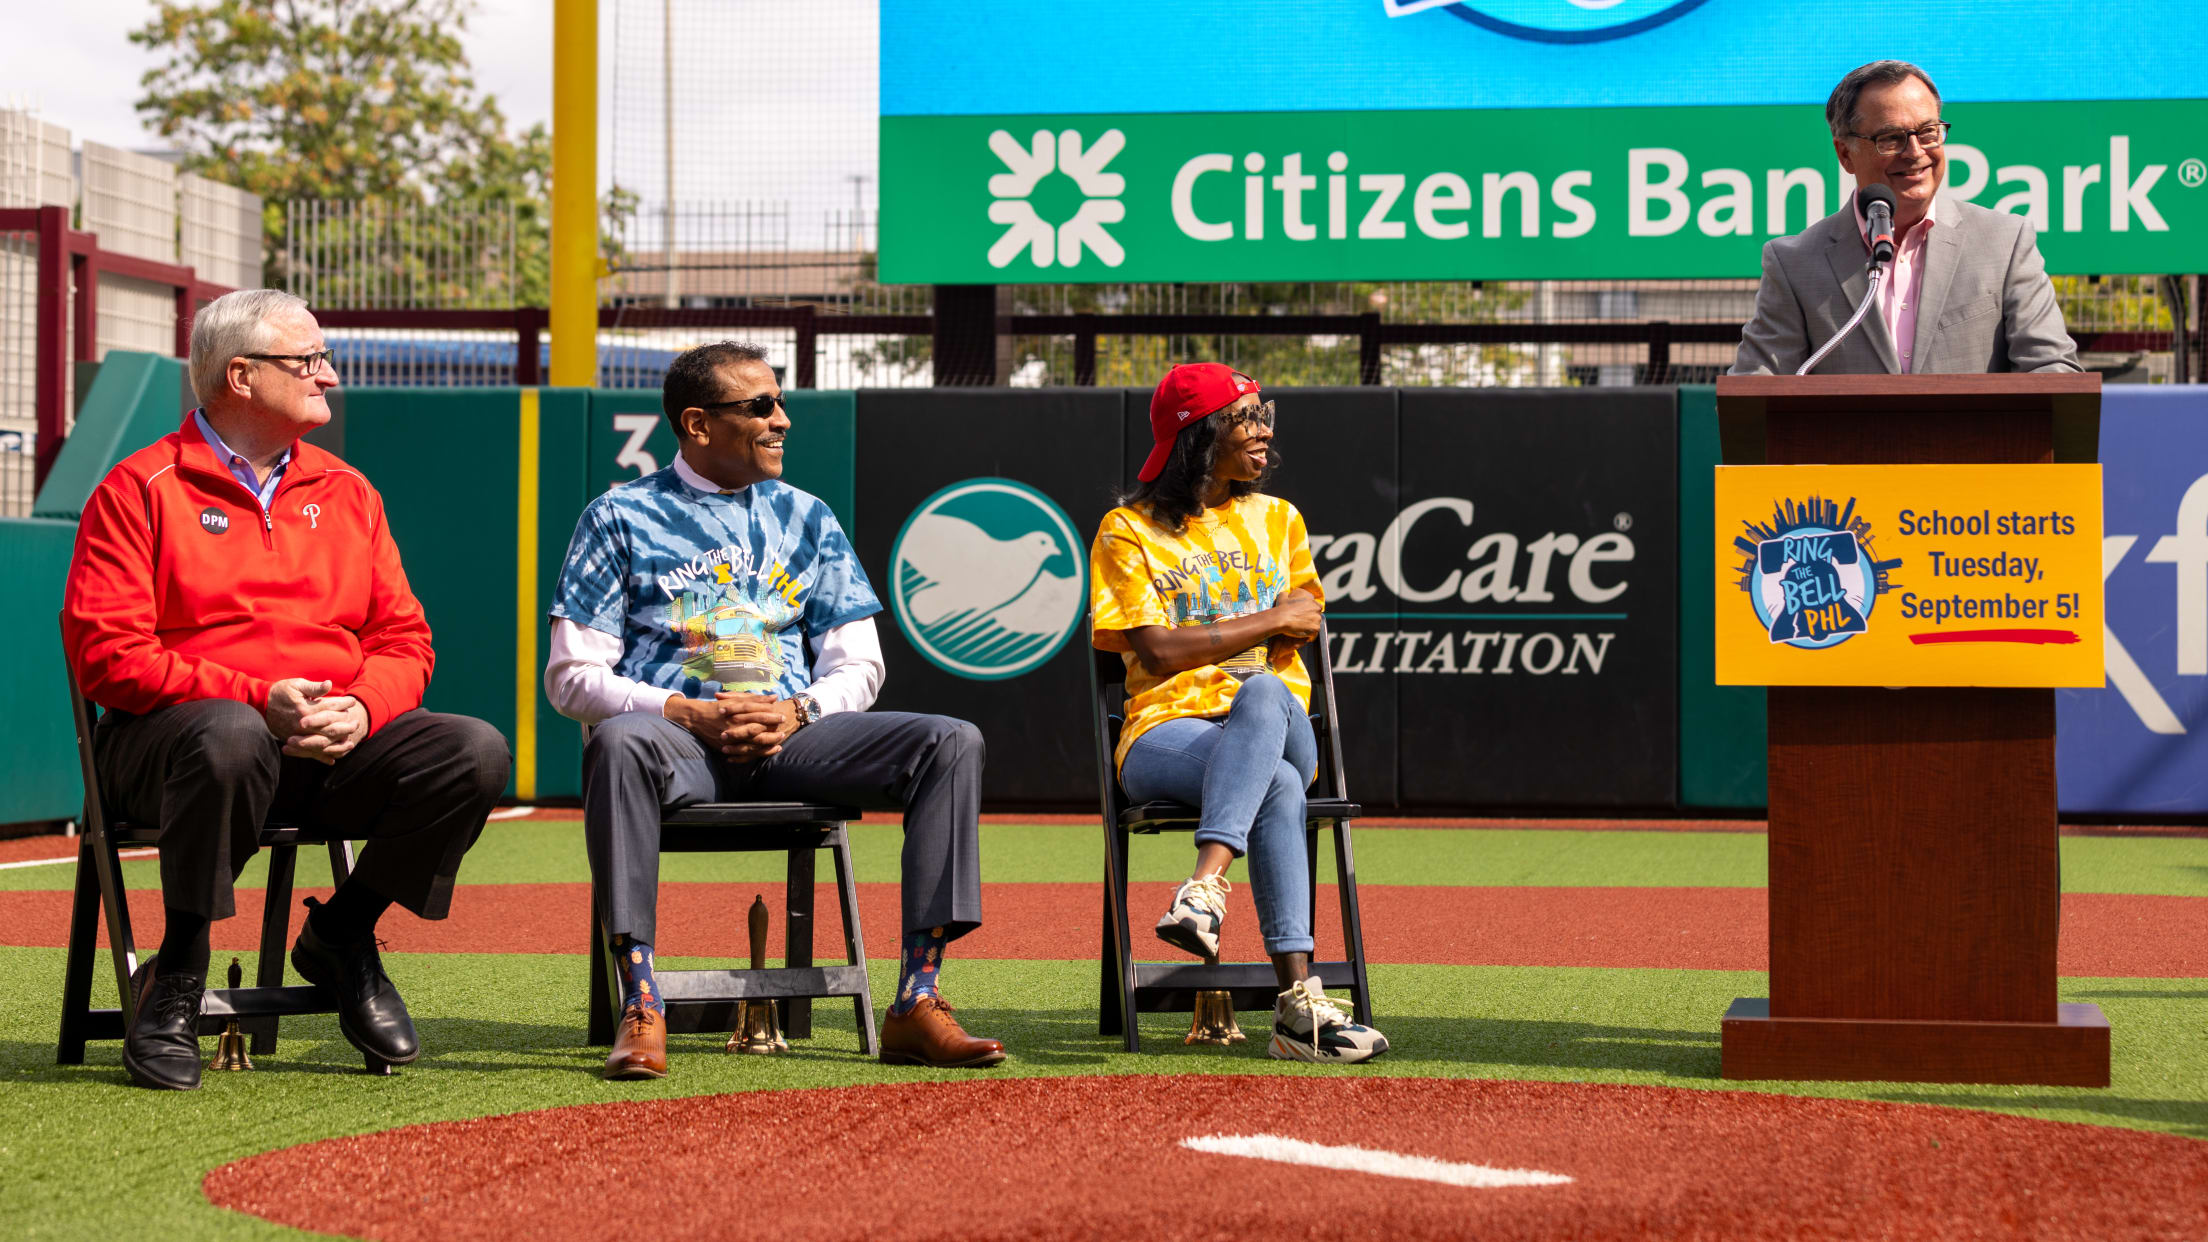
{"points": [[709, 591], [681, 629]]}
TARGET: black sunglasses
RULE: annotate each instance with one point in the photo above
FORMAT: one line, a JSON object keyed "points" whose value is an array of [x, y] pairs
{"points": [[761, 406]]}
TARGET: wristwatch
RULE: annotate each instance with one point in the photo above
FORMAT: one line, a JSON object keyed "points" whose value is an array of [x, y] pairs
{"points": [[808, 709]]}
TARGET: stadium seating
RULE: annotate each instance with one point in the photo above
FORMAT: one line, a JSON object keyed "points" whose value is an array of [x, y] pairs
{"points": [[1128, 987]]}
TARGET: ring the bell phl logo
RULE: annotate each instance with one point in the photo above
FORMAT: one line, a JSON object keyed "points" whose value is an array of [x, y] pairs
{"points": [[1810, 573]]}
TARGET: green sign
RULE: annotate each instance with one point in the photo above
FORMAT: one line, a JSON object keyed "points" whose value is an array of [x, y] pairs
{"points": [[1568, 193]]}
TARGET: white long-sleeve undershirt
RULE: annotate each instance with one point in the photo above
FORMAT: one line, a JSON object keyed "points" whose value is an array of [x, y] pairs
{"points": [[582, 685]]}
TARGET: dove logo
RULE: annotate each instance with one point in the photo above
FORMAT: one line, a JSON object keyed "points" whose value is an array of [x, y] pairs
{"points": [[1555, 21], [988, 579]]}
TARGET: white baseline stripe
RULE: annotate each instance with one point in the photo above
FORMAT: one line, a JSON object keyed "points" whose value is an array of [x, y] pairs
{"points": [[126, 856], [1364, 1160], [512, 812]]}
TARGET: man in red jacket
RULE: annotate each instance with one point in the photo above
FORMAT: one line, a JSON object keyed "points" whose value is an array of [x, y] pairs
{"points": [[237, 603]]}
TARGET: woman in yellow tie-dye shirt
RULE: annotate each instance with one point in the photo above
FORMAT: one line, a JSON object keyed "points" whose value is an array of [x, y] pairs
{"points": [[1204, 584]]}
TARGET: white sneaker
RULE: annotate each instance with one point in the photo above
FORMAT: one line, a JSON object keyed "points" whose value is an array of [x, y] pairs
{"points": [[1193, 921], [1309, 1027]]}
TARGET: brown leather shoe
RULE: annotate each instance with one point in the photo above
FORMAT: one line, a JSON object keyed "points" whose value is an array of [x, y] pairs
{"points": [[930, 1036], [640, 1046]]}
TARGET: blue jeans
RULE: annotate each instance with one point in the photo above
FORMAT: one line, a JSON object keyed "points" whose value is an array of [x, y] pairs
{"points": [[1248, 773]]}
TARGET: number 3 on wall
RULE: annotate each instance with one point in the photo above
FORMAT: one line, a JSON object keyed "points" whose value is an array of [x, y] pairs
{"points": [[639, 427]]}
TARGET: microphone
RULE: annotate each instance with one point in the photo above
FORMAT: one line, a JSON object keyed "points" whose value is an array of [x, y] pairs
{"points": [[1876, 202]]}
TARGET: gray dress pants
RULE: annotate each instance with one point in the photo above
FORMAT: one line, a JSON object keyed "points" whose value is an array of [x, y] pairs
{"points": [[639, 765]]}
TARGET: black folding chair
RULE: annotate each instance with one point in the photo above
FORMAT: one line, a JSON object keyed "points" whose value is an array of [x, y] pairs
{"points": [[705, 1000], [1129, 987], [257, 1009]]}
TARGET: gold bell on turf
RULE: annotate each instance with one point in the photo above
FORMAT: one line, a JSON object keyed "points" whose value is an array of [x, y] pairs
{"points": [[756, 1028], [1213, 1022], [230, 1047]]}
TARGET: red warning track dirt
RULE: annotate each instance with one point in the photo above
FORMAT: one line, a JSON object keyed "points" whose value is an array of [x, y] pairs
{"points": [[1102, 1157], [2103, 934]]}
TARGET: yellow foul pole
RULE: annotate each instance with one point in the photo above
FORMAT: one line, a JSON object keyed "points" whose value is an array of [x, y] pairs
{"points": [[574, 319]]}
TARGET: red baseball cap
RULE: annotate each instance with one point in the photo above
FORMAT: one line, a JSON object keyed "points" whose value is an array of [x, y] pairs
{"points": [[1189, 392]]}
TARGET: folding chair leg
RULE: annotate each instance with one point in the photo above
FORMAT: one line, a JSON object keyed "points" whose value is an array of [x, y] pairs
{"points": [[1311, 869], [76, 971], [797, 941], [602, 997], [854, 944], [341, 862], [1121, 957], [122, 949], [1353, 927], [268, 971], [1108, 1016]]}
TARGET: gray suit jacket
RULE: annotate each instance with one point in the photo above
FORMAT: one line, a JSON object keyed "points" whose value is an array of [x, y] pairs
{"points": [[1986, 304]]}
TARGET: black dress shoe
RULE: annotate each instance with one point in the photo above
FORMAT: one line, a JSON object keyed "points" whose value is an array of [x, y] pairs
{"points": [[369, 1010], [161, 1049]]}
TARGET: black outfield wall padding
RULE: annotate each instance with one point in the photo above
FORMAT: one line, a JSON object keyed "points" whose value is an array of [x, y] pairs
{"points": [[977, 506], [1501, 573], [1526, 599]]}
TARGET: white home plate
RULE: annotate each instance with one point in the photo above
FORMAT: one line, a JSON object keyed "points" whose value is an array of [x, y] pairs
{"points": [[1363, 1160]]}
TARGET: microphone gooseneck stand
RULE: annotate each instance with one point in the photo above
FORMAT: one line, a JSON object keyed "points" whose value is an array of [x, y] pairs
{"points": [[1870, 295]]}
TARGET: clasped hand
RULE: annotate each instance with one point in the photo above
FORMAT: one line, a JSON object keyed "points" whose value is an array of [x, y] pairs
{"points": [[744, 727], [313, 723], [1298, 616]]}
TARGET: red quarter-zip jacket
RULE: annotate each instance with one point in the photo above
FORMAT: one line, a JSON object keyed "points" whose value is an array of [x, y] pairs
{"points": [[181, 588]]}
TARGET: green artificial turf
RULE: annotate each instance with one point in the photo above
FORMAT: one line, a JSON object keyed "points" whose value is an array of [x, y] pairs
{"points": [[89, 1156], [551, 852]]}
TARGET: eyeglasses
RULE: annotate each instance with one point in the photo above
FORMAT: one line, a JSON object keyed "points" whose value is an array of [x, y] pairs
{"points": [[1258, 415], [761, 406], [309, 363], [1890, 142]]}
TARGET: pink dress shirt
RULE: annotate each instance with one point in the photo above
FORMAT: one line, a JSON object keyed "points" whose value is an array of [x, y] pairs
{"points": [[1897, 302]]}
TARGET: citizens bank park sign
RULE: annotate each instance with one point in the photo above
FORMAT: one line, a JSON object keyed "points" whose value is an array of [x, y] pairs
{"points": [[1383, 139]]}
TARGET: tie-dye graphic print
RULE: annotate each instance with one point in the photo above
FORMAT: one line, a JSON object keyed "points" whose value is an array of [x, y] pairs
{"points": [[1234, 560], [709, 592]]}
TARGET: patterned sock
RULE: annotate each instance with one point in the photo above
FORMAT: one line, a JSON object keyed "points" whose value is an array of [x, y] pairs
{"points": [[922, 957], [637, 988]]}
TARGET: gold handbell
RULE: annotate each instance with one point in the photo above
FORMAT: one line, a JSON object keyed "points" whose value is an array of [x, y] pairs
{"points": [[230, 1047], [1213, 1021], [757, 1030]]}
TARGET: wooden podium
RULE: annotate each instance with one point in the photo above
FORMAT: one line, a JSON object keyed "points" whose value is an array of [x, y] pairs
{"points": [[1915, 884]]}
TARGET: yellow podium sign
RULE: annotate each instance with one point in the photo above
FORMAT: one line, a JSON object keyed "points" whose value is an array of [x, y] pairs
{"points": [[1944, 575]]}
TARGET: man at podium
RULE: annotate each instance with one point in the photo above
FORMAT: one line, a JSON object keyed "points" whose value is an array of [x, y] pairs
{"points": [[1965, 291]]}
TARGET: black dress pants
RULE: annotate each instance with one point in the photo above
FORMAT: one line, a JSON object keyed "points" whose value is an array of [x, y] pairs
{"points": [[210, 774]]}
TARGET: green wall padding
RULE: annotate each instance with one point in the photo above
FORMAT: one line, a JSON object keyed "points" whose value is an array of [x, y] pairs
{"points": [[35, 731], [1721, 728], [135, 400], [563, 471], [447, 462]]}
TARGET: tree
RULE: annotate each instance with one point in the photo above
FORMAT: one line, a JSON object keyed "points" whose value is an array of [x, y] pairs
{"points": [[352, 101]]}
